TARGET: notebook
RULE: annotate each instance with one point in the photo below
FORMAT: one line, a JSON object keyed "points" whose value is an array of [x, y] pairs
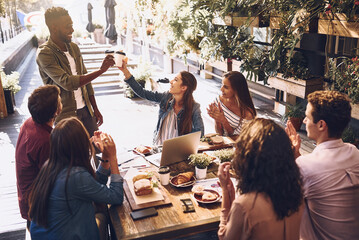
{"points": [[176, 149]]}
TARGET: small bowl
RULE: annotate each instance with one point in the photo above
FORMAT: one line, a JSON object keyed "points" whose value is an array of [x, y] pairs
{"points": [[173, 182]]}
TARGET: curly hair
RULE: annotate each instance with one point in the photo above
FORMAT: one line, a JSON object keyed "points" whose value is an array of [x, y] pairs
{"points": [[264, 162], [43, 103], [53, 14], [334, 108]]}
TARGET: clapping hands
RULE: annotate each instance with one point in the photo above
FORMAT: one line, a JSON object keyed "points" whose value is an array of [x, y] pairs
{"points": [[105, 144], [294, 138], [215, 111]]}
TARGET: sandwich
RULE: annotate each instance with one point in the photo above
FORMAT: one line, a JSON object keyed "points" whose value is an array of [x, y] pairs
{"points": [[142, 184], [217, 139], [184, 177], [143, 187], [141, 176]]}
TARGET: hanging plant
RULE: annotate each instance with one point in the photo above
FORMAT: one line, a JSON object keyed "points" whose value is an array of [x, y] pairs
{"points": [[188, 27]]}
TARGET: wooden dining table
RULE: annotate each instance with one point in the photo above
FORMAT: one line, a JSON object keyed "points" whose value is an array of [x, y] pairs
{"points": [[171, 222]]}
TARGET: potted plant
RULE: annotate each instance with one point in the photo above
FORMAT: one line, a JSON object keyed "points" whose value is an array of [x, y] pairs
{"points": [[350, 135], [142, 75], [11, 86], [295, 114], [98, 34], [201, 161], [224, 155]]}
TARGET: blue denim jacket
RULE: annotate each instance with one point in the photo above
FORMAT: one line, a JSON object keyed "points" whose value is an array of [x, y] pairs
{"points": [[83, 189], [162, 98]]}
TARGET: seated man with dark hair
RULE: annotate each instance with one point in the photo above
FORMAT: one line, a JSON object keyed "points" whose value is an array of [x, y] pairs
{"points": [[331, 172], [33, 143]]}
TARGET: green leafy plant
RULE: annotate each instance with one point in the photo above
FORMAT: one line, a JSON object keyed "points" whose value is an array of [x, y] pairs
{"points": [[141, 74], [11, 81], [348, 7], [344, 73], [350, 135], [224, 155], [294, 111], [200, 160]]}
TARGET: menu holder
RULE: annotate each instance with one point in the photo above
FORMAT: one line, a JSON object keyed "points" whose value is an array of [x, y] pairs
{"points": [[135, 206]]}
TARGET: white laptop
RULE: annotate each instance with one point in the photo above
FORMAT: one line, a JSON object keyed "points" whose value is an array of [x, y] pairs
{"points": [[176, 149]]}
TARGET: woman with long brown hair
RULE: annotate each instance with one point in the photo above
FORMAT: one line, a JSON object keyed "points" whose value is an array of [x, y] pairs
{"points": [[270, 201], [62, 197], [179, 114], [234, 106]]}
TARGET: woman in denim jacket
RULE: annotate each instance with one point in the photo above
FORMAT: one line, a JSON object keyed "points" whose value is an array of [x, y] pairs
{"points": [[61, 202], [179, 114]]}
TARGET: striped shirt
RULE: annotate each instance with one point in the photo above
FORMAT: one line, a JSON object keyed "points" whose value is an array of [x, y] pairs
{"points": [[168, 129], [234, 120]]}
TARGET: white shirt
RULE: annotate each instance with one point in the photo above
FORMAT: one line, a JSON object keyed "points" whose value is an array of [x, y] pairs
{"points": [[169, 128], [331, 190], [80, 103]]}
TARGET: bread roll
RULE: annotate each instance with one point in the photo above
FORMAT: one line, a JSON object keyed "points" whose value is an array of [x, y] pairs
{"points": [[217, 139], [209, 135], [143, 187], [141, 176], [143, 149], [184, 177]]}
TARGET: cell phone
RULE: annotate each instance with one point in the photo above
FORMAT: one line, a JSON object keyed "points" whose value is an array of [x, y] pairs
{"points": [[148, 212], [187, 205]]}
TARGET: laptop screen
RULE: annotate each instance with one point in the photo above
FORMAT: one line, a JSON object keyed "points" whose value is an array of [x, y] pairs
{"points": [[176, 149]]}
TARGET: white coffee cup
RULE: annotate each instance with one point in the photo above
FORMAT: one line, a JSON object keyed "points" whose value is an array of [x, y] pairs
{"points": [[110, 52], [164, 173], [119, 56]]}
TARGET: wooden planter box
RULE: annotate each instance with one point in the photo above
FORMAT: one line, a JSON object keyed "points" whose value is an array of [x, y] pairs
{"points": [[311, 28], [300, 88], [337, 25], [240, 21], [355, 111]]}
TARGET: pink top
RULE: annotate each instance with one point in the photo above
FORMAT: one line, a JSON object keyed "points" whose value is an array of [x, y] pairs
{"points": [[252, 217], [331, 191]]}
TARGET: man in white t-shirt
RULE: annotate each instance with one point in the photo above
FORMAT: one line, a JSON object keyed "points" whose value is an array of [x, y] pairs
{"points": [[331, 172], [60, 63]]}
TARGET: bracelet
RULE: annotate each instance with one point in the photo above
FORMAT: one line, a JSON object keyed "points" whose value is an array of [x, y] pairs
{"points": [[102, 160]]}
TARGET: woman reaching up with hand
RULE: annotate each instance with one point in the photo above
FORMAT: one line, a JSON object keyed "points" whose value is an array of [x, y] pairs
{"points": [[179, 114], [233, 107]]}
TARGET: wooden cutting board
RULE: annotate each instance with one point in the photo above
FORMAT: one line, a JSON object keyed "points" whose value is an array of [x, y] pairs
{"points": [[135, 206], [227, 143]]}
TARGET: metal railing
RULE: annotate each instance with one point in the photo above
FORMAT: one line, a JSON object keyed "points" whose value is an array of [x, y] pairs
{"points": [[7, 34]]}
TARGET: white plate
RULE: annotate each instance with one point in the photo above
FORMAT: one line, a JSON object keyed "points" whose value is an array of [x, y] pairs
{"points": [[199, 197]]}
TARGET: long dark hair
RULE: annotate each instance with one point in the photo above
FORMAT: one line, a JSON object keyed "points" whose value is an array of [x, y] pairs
{"points": [[240, 87], [69, 147], [188, 101], [264, 163]]}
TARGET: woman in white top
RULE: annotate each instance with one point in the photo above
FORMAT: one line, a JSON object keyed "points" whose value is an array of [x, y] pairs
{"points": [[234, 106]]}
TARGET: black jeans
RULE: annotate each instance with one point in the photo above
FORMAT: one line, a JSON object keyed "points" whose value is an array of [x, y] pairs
{"points": [[89, 121]]}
